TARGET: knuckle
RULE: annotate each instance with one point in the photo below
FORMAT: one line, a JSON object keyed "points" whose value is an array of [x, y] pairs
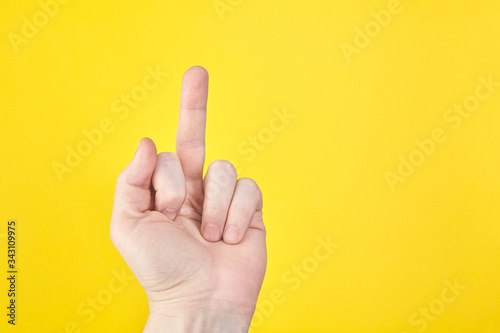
{"points": [[167, 156], [250, 184], [222, 173], [212, 190], [224, 166]]}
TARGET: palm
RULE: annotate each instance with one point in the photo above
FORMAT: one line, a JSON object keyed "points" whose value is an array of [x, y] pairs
{"points": [[169, 255], [181, 262]]}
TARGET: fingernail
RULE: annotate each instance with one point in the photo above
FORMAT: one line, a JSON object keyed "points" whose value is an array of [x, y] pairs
{"points": [[170, 213], [211, 232], [231, 235]]}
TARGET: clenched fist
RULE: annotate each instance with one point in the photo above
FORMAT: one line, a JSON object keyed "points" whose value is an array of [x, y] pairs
{"points": [[196, 244]]}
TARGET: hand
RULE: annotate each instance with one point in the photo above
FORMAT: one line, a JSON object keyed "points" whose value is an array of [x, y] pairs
{"points": [[196, 245]]}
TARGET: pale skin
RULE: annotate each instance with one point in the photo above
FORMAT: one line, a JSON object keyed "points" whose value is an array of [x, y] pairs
{"points": [[197, 245]]}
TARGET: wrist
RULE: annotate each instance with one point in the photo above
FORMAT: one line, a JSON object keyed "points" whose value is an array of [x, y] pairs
{"points": [[204, 319]]}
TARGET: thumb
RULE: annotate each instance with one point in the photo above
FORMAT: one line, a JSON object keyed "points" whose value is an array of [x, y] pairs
{"points": [[133, 186]]}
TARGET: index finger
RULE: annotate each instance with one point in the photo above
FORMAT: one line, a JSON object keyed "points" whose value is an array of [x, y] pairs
{"points": [[190, 139]]}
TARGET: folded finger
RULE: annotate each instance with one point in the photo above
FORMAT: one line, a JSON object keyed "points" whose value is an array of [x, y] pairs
{"points": [[169, 185], [133, 185], [219, 185], [247, 200]]}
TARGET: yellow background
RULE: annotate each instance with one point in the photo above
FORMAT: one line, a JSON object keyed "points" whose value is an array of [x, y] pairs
{"points": [[322, 175]]}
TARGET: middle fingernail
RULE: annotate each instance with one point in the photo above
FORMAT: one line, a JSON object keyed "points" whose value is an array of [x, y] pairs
{"points": [[211, 232]]}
